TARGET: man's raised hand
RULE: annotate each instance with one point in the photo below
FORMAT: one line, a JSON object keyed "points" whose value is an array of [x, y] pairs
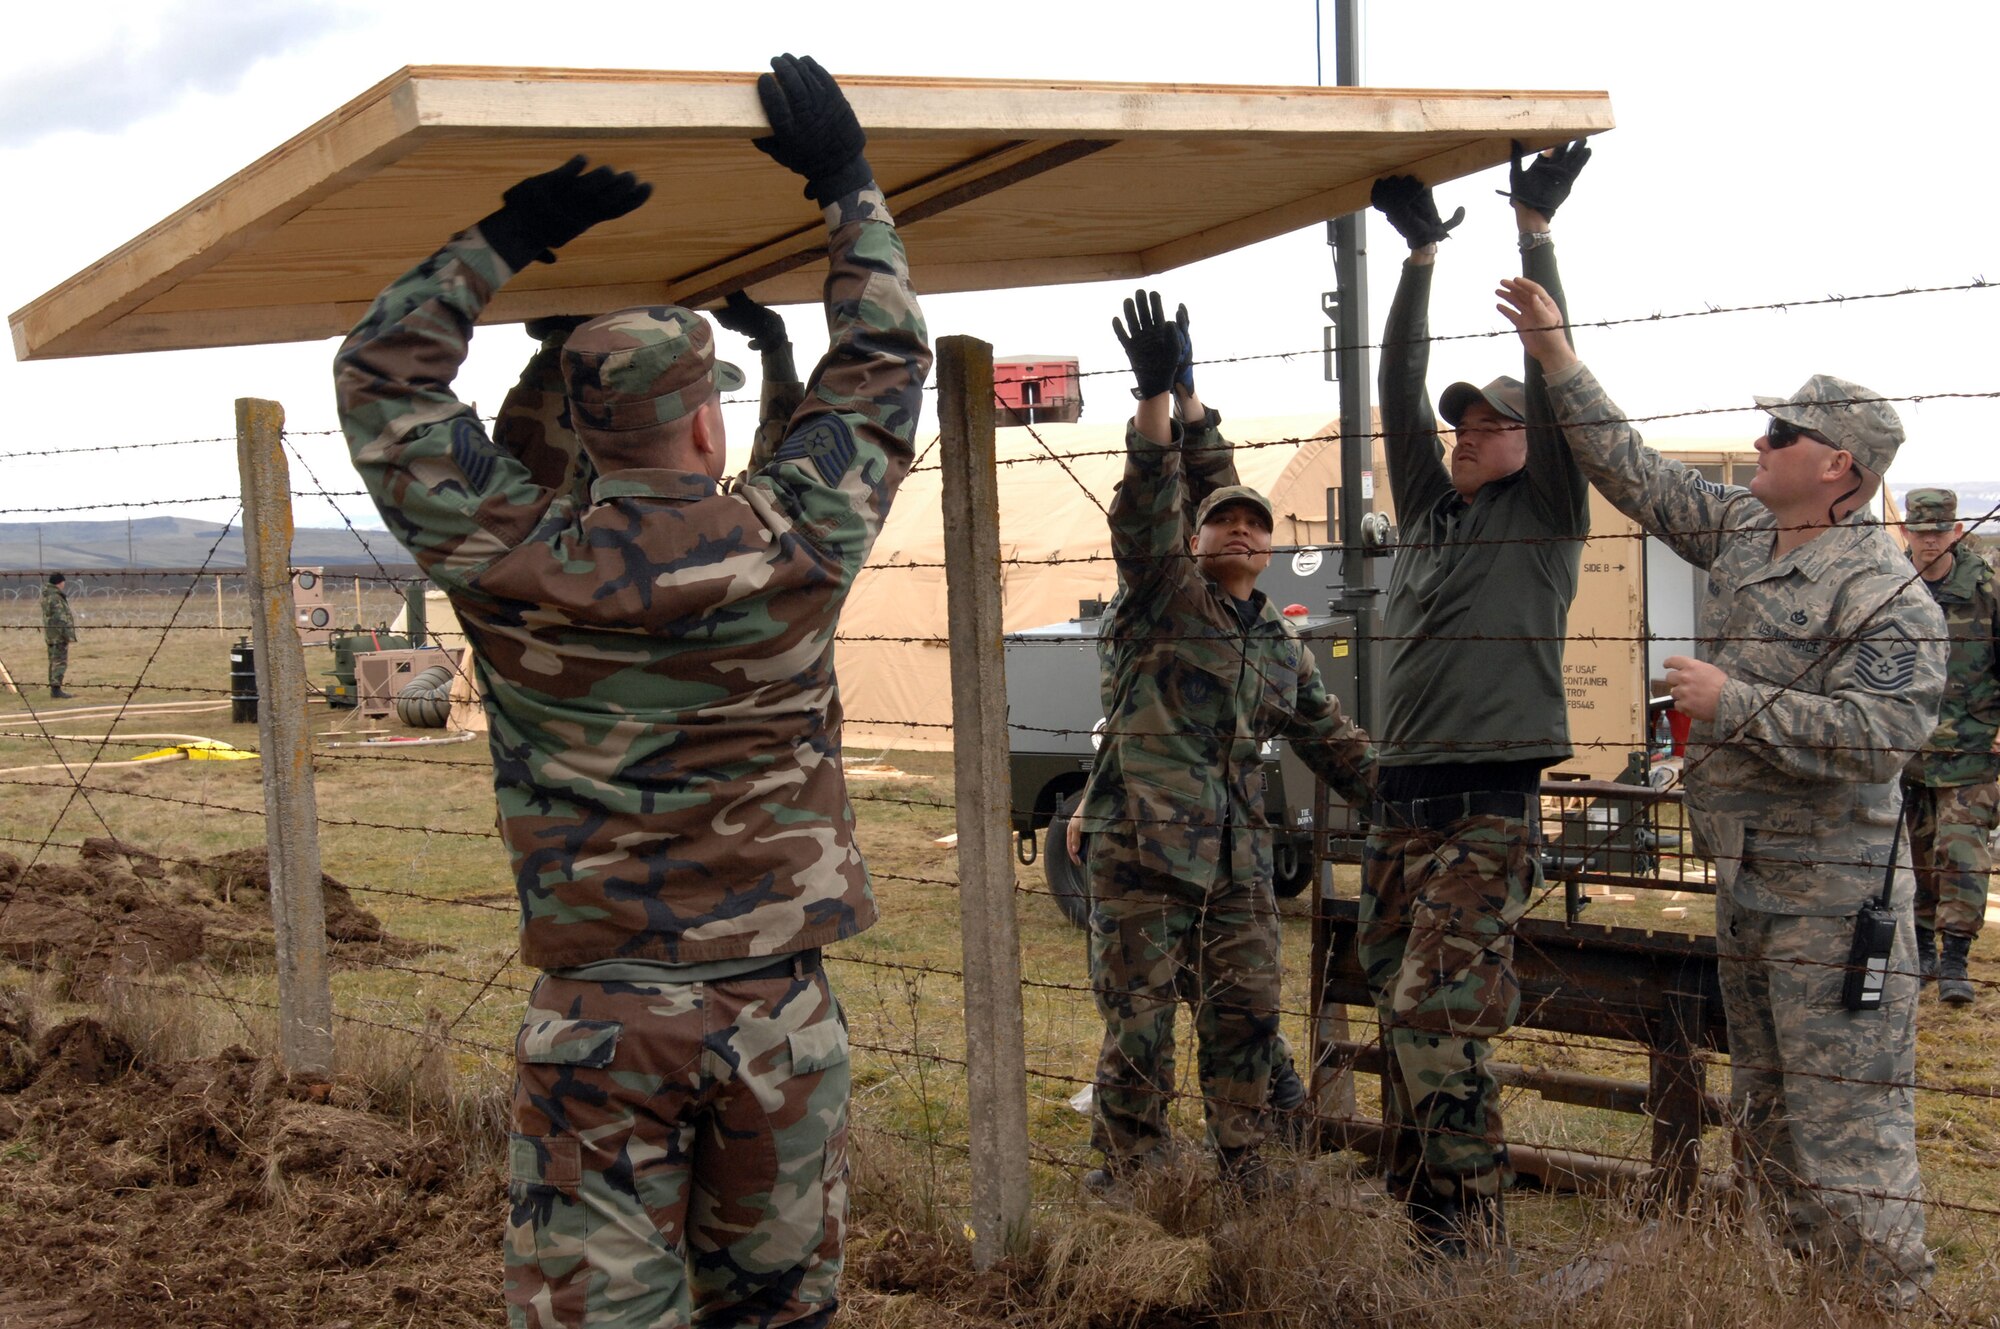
{"points": [[1545, 182], [764, 326], [814, 132], [1534, 315], [1152, 343], [1407, 204], [542, 213]]}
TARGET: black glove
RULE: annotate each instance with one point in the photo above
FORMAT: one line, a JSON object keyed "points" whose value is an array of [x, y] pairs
{"points": [[764, 326], [813, 129], [1545, 182], [555, 325], [544, 212], [1407, 204], [1153, 345], [1184, 371]]}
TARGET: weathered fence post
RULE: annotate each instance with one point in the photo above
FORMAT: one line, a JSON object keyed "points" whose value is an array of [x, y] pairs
{"points": [[995, 1053], [291, 812]]}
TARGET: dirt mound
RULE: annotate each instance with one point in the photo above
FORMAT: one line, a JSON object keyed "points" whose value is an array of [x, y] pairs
{"points": [[242, 879], [120, 911], [222, 1191]]}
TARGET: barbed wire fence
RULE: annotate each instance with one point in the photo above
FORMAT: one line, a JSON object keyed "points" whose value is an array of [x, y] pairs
{"points": [[432, 965]]}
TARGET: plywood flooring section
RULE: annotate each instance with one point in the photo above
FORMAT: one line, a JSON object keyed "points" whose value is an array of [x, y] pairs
{"points": [[996, 184]]}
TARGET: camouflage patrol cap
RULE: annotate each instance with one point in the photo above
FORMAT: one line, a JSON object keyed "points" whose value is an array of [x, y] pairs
{"points": [[1930, 510], [1847, 415], [1234, 494], [1503, 394], [636, 368]]}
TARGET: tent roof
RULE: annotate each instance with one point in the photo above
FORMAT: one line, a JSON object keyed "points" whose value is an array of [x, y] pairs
{"points": [[998, 184]]}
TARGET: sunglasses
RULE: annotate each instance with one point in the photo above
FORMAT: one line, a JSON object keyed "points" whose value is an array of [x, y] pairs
{"points": [[1782, 434]]}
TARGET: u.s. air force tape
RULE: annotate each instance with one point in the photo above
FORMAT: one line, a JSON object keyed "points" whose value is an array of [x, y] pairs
{"points": [[825, 441], [1886, 659]]}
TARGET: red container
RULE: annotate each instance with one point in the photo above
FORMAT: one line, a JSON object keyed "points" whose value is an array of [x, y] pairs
{"points": [[1678, 723]]}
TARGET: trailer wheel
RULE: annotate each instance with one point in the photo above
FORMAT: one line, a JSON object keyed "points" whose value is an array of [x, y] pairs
{"points": [[1068, 882]]}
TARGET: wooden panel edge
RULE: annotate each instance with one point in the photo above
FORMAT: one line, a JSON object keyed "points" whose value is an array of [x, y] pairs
{"points": [[373, 129], [1351, 197], [712, 104]]}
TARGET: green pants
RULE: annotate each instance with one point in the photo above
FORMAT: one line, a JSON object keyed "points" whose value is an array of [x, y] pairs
{"points": [[679, 1149], [1156, 937], [1436, 942], [1949, 846]]}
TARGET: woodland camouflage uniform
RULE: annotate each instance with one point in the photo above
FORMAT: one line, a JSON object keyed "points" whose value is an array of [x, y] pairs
{"points": [[1835, 663], [1181, 846], [655, 651], [1950, 794], [58, 631]]}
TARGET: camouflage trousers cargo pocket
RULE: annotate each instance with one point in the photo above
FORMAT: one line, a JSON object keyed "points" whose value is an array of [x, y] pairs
{"points": [[1436, 941], [1950, 846], [679, 1151]]}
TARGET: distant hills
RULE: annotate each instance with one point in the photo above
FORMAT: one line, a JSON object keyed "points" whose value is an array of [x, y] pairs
{"points": [[175, 542]]}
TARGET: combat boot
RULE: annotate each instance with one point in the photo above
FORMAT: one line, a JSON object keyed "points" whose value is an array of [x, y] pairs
{"points": [[1485, 1225], [1291, 1124], [59, 694], [1440, 1225], [1246, 1178], [1927, 964], [1112, 1186], [1954, 986]]}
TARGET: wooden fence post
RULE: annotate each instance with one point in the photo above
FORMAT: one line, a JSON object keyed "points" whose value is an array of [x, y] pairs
{"points": [[995, 1052], [291, 811]]}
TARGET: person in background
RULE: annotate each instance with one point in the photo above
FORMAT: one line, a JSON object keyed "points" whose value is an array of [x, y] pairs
{"points": [[1949, 792], [58, 631]]}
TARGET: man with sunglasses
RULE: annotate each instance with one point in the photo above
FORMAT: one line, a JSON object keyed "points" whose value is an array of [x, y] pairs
{"points": [[1818, 677], [1473, 711]]}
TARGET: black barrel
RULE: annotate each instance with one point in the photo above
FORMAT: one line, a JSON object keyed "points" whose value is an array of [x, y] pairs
{"points": [[242, 682]]}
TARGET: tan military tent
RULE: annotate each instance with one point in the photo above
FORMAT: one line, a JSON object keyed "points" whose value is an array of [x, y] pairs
{"points": [[895, 676]]}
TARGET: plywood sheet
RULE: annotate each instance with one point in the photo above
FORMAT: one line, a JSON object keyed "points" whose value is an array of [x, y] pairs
{"points": [[996, 184]]}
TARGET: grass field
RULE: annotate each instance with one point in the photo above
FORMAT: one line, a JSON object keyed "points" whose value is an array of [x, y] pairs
{"points": [[410, 832]]}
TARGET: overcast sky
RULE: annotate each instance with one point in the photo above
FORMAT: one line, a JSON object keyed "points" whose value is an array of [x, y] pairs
{"points": [[1766, 151]]}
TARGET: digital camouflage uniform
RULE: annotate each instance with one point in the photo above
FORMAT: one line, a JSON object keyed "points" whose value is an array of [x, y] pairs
{"points": [[1474, 625], [1180, 847], [1835, 664], [655, 652], [58, 631], [1949, 790]]}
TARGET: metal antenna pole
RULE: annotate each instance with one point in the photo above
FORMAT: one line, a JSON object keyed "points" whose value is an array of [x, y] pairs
{"points": [[1348, 236]]}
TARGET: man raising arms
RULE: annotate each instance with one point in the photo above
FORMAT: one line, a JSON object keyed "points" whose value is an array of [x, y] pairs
{"points": [[655, 652], [1818, 676], [1473, 712]]}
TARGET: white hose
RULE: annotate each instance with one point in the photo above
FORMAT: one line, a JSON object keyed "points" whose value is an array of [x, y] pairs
{"points": [[99, 738], [461, 735], [70, 713]]}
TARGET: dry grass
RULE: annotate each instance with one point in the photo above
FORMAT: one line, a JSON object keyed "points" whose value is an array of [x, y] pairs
{"points": [[424, 1043]]}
